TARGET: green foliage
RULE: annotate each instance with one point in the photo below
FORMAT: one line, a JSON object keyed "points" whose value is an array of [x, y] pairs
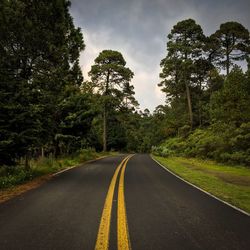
{"points": [[221, 142], [220, 106], [88, 154], [183, 68], [47, 110], [11, 176], [230, 43], [111, 78], [39, 68], [110, 75], [231, 104]]}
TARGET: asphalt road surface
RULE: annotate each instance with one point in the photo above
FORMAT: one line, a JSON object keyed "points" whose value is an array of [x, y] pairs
{"points": [[119, 203]]}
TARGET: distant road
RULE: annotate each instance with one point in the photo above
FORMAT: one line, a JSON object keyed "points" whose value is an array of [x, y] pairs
{"points": [[120, 202]]}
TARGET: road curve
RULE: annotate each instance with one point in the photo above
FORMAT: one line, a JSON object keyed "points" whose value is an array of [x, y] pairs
{"points": [[158, 211]]}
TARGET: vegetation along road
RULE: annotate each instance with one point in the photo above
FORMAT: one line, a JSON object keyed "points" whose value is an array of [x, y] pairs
{"points": [[120, 202]]}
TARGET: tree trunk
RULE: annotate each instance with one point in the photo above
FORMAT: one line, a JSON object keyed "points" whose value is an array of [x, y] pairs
{"points": [[104, 129], [42, 152], [227, 56], [105, 114], [189, 106], [27, 163], [190, 112], [199, 102], [227, 64], [200, 119], [56, 148]]}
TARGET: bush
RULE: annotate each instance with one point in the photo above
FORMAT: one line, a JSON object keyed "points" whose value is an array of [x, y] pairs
{"points": [[87, 154], [14, 175], [221, 142], [11, 176], [184, 131]]}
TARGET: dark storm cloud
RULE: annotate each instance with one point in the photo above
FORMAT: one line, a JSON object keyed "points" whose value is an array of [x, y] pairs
{"points": [[139, 29]]}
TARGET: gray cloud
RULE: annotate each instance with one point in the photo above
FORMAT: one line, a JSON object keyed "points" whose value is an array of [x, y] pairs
{"points": [[139, 28]]}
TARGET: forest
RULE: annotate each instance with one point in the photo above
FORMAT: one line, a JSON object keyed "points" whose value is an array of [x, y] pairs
{"points": [[47, 109]]}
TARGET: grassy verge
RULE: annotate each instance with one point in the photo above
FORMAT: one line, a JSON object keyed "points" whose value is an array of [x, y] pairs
{"points": [[230, 183], [12, 176]]}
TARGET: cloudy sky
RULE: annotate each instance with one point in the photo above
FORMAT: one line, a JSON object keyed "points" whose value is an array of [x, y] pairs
{"points": [[139, 28]]}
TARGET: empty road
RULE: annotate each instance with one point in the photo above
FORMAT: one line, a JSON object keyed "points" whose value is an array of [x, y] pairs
{"points": [[120, 202]]}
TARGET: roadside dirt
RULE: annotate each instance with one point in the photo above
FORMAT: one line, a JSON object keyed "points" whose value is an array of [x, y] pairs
{"points": [[10, 193]]}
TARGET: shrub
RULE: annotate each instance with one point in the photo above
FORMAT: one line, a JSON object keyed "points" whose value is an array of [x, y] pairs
{"points": [[87, 154], [221, 142], [15, 175], [184, 131]]}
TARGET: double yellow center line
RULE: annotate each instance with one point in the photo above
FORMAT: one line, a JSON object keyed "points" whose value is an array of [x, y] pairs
{"points": [[123, 243]]}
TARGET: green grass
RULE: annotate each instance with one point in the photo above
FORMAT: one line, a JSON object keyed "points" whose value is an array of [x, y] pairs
{"points": [[15, 175], [230, 183]]}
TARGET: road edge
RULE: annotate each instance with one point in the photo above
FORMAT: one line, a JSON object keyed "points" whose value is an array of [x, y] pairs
{"points": [[202, 190], [9, 194], [79, 165]]}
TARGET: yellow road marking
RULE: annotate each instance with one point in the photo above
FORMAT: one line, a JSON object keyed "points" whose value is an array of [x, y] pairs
{"points": [[102, 242], [123, 242]]}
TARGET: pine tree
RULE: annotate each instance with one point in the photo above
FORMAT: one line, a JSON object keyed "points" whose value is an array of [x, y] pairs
{"points": [[110, 76], [39, 48], [185, 46], [231, 43]]}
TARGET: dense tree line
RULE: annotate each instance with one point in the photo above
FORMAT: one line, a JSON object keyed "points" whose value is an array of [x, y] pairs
{"points": [[46, 107], [207, 93], [40, 73]]}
